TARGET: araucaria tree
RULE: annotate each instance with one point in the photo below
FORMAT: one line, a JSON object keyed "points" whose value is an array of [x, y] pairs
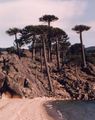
{"points": [[48, 19], [15, 31], [60, 41], [40, 32], [38, 37], [28, 35], [79, 29]]}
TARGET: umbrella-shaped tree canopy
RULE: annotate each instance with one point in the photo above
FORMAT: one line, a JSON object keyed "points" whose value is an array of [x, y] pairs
{"points": [[81, 28], [48, 19]]}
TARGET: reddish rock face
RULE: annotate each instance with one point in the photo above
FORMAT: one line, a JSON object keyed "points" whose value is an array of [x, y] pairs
{"points": [[72, 83], [21, 70]]}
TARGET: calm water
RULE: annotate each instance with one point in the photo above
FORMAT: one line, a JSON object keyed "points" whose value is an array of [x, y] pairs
{"points": [[71, 110]]}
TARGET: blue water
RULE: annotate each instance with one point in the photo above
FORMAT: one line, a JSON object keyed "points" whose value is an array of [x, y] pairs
{"points": [[72, 110]]}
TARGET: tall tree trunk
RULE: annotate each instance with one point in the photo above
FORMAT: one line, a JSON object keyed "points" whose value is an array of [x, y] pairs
{"points": [[57, 54], [83, 53], [41, 58], [49, 44], [35, 71], [64, 51], [46, 64], [48, 23], [62, 57], [33, 49], [17, 46], [49, 50]]}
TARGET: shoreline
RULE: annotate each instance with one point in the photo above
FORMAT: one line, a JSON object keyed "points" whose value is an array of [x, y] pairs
{"points": [[71, 110], [45, 108]]}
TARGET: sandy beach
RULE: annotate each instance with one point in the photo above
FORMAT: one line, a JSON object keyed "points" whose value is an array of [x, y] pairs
{"points": [[23, 109]]}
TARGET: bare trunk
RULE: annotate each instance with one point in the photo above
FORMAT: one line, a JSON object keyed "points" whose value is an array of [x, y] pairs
{"points": [[35, 72], [49, 44], [57, 54], [83, 53], [49, 50], [41, 58], [64, 55], [17, 46], [49, 23], [46, 64], [33, 49]]}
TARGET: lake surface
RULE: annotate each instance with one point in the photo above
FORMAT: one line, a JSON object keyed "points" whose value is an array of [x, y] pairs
{"points": [[71, 110]]}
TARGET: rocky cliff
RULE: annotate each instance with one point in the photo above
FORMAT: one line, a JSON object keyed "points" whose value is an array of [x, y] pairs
{"points": [[22, 77]]}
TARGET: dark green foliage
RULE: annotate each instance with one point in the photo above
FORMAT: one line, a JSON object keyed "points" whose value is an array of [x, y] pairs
{"points": [[12, 31], [75, 49], [81, 28], [48, 19], [90, 57], [11, 50], [17, 41]]}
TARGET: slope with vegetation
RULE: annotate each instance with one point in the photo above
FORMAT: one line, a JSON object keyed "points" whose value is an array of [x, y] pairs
{"points": [[51, 67]]}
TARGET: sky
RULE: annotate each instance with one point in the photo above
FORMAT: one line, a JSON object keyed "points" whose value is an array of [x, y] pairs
{"points": [[19, 13]]}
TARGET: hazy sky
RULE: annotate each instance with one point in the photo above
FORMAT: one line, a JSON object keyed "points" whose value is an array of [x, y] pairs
{"points": [[19, 13]]}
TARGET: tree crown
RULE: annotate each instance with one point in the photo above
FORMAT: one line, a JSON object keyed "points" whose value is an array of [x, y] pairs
{"points": [[81, 28], [48, 18], [13, 31]]}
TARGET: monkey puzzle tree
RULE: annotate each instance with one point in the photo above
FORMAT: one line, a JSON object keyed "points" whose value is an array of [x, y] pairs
{"points": [[64, 45], [48, 19], [40, 32], [60, 38], [79, 29], [28, 35], [43, 36], [14, 31]]}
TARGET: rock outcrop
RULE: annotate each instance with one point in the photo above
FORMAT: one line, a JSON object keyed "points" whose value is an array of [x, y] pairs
{"points": [[23, 78]]}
